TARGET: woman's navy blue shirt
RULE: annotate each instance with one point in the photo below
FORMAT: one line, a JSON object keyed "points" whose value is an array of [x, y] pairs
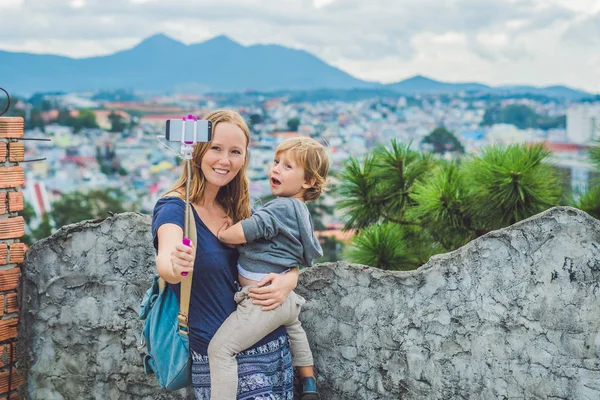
{"points": [[214, 281]]}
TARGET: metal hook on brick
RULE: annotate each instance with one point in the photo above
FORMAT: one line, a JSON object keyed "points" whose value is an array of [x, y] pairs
{"points": [[7, 103]]}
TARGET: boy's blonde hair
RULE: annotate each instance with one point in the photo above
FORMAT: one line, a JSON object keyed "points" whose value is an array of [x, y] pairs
{"points": [[312, 156]]}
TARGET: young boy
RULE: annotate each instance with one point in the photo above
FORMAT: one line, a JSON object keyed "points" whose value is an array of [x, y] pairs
{"points": [[278, 237]]}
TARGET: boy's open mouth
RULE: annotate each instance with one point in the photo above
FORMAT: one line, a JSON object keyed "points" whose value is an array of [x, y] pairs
{"points": [[275, 182]]}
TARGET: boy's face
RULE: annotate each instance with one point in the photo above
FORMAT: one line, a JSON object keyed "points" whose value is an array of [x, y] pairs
{"points": [[287, 177]]}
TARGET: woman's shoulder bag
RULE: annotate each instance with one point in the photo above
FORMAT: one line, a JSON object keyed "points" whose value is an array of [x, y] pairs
{"points": [[165, 333]]}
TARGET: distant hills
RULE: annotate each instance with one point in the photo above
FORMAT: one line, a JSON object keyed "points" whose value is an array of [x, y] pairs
{"points": [[421, 84], [161, 64]]}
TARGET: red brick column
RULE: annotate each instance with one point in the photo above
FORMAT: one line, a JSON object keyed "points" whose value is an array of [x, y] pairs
{"points": [[12, 227]]}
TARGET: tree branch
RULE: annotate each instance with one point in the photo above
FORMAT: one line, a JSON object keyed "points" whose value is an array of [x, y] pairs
{"points": [[400, 221]]}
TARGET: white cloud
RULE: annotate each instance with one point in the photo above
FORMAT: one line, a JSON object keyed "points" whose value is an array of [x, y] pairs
{"points": [[77, 3], [322, 3], [10, 4], [493, 41], [580, 6], [584, 33]]}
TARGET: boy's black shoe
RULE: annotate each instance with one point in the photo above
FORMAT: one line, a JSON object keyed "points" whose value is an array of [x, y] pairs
{"points": [[309, 389]]}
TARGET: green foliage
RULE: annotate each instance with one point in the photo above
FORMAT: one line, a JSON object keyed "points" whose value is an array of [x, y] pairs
{"points": [[522, 117], [255, 119], [442, 207], [109, 162], [547, 123], [594, 154], [42, 231], [117, 123], [443, 141], [357, 191], [293, 124], [564, 179], [511, 183], [77, 206], [406, 207], [590, 202], [28, 212], [396, 170], [35, 120], [85, 119], [517, 114], [381, 245], [380, 188]]}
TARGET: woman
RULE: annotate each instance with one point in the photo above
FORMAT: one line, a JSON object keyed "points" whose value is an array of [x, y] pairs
{"points": [[219, 190]]}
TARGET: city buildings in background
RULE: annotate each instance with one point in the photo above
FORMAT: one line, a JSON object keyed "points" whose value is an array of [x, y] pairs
{"points": [[115, 145], [583, 123]]}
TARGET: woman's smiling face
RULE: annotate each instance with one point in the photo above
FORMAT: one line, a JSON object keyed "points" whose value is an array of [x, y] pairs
{"points": [[225, 156]]}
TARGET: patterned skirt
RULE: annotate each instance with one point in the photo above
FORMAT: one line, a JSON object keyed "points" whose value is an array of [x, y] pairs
{"points": [[264, 373]]}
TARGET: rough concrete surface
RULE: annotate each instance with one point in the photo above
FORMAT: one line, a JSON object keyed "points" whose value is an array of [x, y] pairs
{"points": [[79, 327], [511, 315], [514, 314]]}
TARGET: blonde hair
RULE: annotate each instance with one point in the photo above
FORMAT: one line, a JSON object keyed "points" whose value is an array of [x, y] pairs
{"points": [[233, 197], [314, 159]]}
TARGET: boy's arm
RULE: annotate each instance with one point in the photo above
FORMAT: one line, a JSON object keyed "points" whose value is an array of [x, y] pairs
{"points": [[232, 234], [262, 224]]}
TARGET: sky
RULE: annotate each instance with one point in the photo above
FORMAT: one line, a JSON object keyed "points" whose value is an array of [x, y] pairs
{"points": [[534, 42]]}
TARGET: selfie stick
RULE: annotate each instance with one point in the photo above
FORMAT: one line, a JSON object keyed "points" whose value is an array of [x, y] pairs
{"points": [[187, 148]]}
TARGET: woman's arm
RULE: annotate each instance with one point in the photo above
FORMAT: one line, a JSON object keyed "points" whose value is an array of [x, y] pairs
{"points": [[271, 296], [173, 256]]}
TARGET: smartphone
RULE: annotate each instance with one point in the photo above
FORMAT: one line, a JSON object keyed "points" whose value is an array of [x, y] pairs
{"points": [[190, 131]]}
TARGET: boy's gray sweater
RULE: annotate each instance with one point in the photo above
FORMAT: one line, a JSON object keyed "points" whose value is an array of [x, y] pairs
{"points": [[279, 236]]}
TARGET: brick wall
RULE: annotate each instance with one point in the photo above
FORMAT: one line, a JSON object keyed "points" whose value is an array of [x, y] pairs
{"points": [[12, 227]]}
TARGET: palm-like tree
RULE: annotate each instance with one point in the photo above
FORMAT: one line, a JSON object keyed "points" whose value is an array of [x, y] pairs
{"points": [[397, 170], [511, 183], [383, 246], [358, 193], [408, 207], [442, 206], [590, 201], [380, 188]]}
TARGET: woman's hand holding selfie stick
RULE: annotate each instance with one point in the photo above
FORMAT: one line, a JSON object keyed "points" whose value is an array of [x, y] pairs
{"points": [[188, 131], [187, 242], [182, 258]]}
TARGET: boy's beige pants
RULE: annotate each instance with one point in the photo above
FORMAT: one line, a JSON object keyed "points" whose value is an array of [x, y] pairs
{"points": [[243, 328]]}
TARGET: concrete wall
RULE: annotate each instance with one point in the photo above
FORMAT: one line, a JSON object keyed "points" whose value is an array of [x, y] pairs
{"points": [[514, 314]]}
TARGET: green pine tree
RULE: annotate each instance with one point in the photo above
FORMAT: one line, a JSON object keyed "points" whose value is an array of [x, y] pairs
{"points": [[406, 206], [443, 141], [77, 206], [590, 201]]}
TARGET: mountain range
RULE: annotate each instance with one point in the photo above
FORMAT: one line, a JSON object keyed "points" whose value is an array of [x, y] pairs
{"points": [[160, 64]]}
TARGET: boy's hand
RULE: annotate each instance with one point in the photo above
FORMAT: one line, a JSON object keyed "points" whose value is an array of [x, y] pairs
{"points": [[226, 225], [231, 234], [222, 228]]}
